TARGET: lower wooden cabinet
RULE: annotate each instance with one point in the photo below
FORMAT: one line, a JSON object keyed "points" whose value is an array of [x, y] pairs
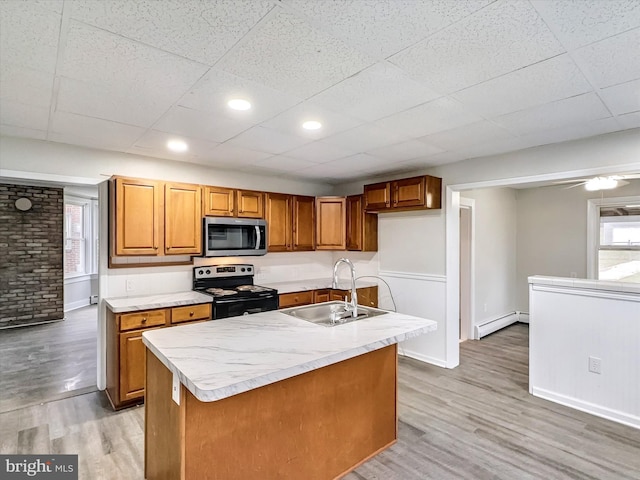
{"points": [[367, 296], [320, 296], [126, 351], [295, 299]]}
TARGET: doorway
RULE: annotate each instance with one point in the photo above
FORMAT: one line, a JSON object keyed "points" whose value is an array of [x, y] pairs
{"points": [[466, 269]]}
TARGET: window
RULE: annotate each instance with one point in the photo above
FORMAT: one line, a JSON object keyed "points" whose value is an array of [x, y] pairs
{"points": [[617, 246], [80, 237]]}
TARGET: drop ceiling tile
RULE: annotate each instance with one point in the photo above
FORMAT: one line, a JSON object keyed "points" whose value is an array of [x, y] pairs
{"points": [[573, 132], [336, 169], [570, 111], [496, 148], [503, 37], [217, 87], [364, 138], [629, 120], [436, 116], [93, 131], [623, 98], [543, 82], [201, 31], [198, 124], [611, 61], [29, 34], [579, 23], [26, 85], [154, 143], [319, 152], [291, 121], [406, 151], [267, 140], [378, 91], [22, 115], [282, 163], [467, 136], [386, 26], [125, 66], [285, 53], [364, 162], [439, 159], [99, 102], [13, 131], [232, 155]]}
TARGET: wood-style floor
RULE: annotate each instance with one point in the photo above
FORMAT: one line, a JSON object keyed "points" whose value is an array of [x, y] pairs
{"points": [[47, 362], [473, 422]]}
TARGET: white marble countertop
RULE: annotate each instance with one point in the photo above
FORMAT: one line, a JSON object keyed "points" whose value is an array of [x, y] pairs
{"points": [[221, 358], [586, 283], [315, 284], [148, 302]]}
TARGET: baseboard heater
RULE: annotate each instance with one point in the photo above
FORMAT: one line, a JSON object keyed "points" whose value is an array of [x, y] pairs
{"points": [[499, 323]]}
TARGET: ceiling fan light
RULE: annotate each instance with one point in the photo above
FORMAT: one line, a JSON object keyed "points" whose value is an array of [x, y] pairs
{"points": [[601, 183]]}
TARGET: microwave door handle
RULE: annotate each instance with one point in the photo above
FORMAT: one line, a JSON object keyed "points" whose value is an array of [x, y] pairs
{"points": [[258, 237]]}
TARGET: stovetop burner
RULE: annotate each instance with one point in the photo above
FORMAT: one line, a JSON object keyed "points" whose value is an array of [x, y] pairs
{"points": [[220, 292], [252, 288]]}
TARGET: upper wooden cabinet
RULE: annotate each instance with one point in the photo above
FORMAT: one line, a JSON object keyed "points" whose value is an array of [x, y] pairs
{"points": [[291, 222], [182, 219], [228, 202], [416, 193], [155, 218], [219, 201], [362, 226], [250, 204], [330, 223], [138, 214]]}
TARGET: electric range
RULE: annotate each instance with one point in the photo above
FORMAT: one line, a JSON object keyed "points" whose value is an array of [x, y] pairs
{"points": [[233, 291]]}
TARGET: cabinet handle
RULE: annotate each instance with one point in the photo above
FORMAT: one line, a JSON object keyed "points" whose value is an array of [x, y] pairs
{"points": [[144, 319], [240, 211], [155, 248], [191, 314]]}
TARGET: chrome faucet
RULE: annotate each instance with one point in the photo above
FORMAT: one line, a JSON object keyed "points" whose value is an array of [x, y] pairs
{"points": [[353, 305]]}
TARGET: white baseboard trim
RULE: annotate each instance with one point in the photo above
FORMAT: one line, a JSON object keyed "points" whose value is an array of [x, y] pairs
{"points": [[593, 409], [494, 325], [523, 317], [75, 305], [423, 358]]}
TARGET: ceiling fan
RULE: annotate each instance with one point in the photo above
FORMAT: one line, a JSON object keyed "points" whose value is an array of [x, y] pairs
{"points": [[602, 182]]}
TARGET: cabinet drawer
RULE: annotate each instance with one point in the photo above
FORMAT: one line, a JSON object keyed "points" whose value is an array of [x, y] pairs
{"points": [[150, 318], [295, 299], [191, 312]]}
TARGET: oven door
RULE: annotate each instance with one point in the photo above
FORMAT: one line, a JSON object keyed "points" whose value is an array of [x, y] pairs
{"points": [[225, 237], [246, 306]]}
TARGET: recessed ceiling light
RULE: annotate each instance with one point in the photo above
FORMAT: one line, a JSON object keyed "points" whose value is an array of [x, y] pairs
{"points": [[177, 146], [239, 104], [311, 125]]}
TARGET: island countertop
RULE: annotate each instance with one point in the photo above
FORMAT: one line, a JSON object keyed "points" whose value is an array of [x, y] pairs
{"points": [[221, 358]]}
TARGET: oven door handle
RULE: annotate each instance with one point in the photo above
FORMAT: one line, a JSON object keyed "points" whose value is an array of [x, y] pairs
{"points": [[258, 237], [222, 302]]}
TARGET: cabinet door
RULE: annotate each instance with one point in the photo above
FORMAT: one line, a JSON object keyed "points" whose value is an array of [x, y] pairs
{"points": [[354, 222], [340, 295], [250, 204], [368, 296], [132, 361], [183, 219], [377, 196], [219, 201], [330, 223], [320, 296], [138, 218], [295, 299], [278, 216], [303, 223], [409, 192]]}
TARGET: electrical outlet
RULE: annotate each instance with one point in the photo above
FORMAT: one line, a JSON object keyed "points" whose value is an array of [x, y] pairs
{"points": [[595, 365], [129, 285]]}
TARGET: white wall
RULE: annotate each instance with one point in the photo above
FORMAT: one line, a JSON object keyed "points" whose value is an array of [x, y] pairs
{"points": [[552, 232], [495, 248], [569, 325]]}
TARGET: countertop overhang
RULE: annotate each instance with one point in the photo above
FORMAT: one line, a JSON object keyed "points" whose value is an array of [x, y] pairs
{"points": [[221, 358]]}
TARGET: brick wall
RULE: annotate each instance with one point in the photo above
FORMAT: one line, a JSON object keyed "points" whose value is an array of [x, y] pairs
{"points": [[31, 246]]}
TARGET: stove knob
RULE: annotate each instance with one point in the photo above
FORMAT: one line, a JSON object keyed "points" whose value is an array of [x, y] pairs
{"points": [[248, 269], [208, 272], [200, 272], [242, 269]]}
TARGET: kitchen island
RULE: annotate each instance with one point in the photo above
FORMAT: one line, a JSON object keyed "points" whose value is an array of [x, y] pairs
{"points": [[270, 396]]}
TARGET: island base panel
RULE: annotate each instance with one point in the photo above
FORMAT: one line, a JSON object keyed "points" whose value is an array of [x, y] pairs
{"points": [[318, 425]]}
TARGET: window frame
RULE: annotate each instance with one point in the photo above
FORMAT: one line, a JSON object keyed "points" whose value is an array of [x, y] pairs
{"points": [[89, 236], [593, 228]]}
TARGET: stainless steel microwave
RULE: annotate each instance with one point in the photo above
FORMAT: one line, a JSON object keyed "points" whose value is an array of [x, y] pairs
{"points": [[231, 237]]}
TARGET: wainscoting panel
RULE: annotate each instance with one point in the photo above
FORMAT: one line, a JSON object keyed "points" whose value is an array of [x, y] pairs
{"points": [[424, 296]]}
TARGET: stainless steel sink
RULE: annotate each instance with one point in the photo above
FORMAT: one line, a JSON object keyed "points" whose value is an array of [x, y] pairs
{"points": [[331, 314]]}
